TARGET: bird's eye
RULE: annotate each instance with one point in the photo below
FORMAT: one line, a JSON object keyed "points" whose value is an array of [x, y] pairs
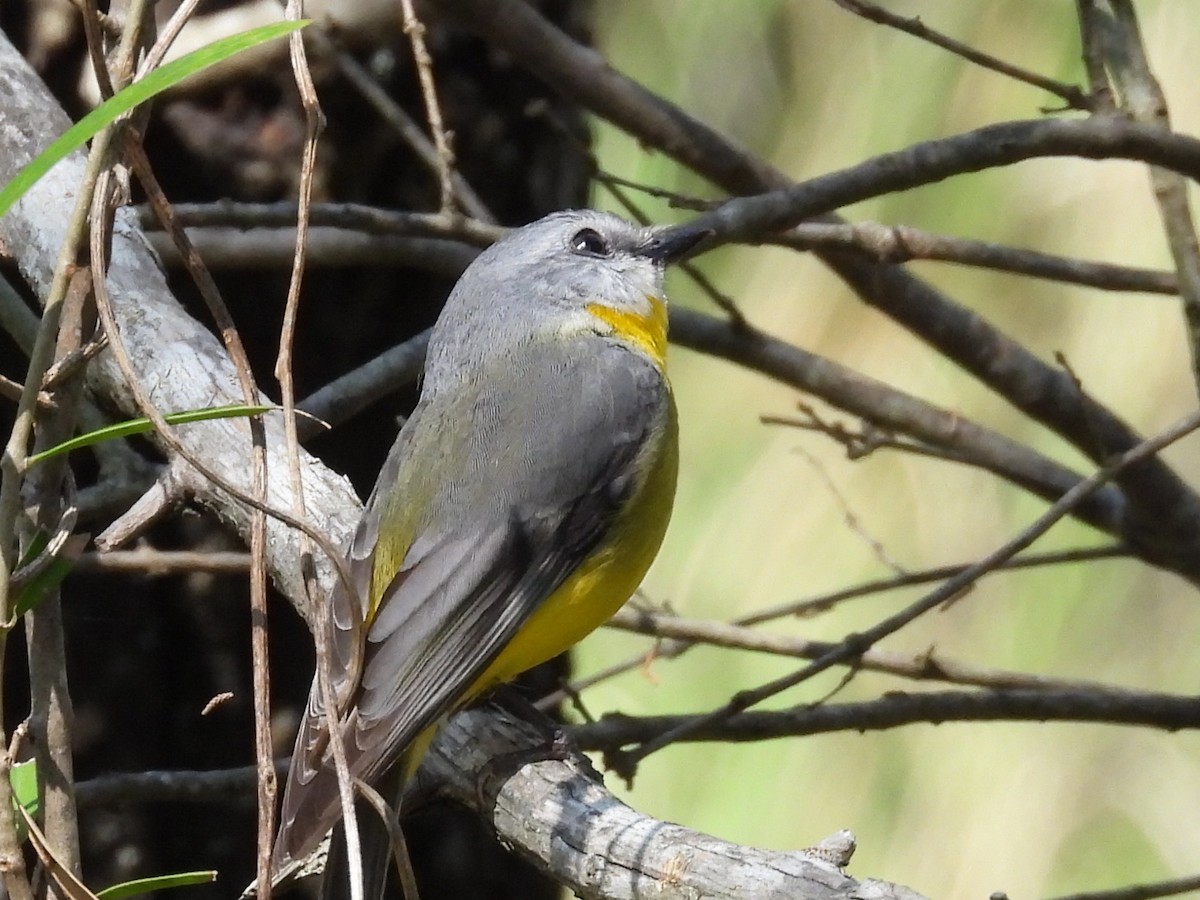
{"points": [[589, 242]]}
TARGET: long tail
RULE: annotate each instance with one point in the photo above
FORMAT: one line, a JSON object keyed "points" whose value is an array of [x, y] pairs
{"points": [[375, 844]]}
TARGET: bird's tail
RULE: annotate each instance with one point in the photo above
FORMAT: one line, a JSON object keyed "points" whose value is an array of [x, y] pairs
{"points": [[376, 846]]}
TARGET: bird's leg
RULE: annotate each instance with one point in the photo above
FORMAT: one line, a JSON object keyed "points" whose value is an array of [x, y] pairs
{"points": [[556, 745]]}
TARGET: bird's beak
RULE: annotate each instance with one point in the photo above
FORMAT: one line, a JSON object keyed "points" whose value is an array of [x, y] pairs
{"points": [[672, 243]]}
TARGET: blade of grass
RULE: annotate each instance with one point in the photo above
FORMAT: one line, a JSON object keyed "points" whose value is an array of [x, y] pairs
{"points": [[114, 107], [143, 425], [155, 883]]}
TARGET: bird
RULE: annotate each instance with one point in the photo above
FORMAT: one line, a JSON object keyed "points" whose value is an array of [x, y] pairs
{"points": [[519, 507]]}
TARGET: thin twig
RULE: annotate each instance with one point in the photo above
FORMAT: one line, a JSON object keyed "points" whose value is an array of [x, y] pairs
{"points": [[151, 563], [866, 440], [1141, 891], [812, 606], [849, 516], [669, 649], [94, 35], [258, 579], [180, 17], [12, 464], [1167, 712], [1074, 97], [50, 708], [902, 243], [927, 666], [314, 123], [415, 30], [479, 232], [391, 821], [1093, 58], [393, 115], [1140, 94]]}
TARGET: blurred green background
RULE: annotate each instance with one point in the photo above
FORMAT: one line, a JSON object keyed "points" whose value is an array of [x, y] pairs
{"points": [[954, 810]]}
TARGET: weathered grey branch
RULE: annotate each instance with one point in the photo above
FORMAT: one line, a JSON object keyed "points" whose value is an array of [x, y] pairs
{"points": [[555, 812], [559, 815]]}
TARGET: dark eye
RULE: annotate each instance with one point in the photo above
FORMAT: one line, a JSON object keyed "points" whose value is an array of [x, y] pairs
{"points": [[589, 242]]}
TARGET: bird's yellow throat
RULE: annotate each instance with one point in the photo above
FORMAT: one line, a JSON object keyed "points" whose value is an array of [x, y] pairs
{"points": [[646, 331]]}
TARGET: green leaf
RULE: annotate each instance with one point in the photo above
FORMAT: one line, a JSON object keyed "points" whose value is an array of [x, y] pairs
{"points": [[114, 107], [155, 883], [23, 778], [143, 425]]}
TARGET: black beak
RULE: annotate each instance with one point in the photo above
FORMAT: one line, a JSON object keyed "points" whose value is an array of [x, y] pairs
{"points": [[671, 244]]}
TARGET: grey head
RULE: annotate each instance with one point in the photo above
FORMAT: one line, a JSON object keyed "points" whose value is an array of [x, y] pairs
{"points": [[543, 276]]}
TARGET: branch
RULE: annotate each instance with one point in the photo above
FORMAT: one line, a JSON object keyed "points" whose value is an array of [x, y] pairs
{"points": [[557, 814], [357, 216], [901, 243], [1141, 891], [918, 666], [1074, 97], [1167, 712], [928, 162], [1139, 94], [273, 248]]}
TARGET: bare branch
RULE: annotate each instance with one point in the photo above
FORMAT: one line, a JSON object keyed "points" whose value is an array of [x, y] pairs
{"points": [[1141, 891], [151, 563], [919, 666], [1139, 93], [355, 216], [1167, 712], [272, 248], [555, 812], [1074, 97], [927, 162], [901, 243]]}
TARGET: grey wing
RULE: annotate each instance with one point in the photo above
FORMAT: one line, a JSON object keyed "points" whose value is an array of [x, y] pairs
{"points": [[553, 451], [310, 801]]}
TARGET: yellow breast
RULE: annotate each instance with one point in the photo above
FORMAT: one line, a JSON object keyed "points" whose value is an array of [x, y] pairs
{"points": [[649, 332]]}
